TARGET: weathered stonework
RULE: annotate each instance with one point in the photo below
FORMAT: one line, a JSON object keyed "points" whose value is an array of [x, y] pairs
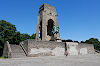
{"points": [[47, 14], [44, 48], [7, 50], [13, 51], [86, 49], [33, 48], [72, 48], [79, 49]]}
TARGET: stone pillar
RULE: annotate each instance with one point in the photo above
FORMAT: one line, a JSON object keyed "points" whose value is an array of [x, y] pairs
{"points": [[38, 22], [44, 27]]}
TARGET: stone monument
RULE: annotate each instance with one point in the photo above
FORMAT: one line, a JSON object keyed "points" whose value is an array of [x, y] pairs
{"points": [[47, 24], [47, 37]]}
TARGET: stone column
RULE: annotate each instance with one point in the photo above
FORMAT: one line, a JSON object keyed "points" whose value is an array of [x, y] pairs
{"points": [[44, 27], [38, 23]]}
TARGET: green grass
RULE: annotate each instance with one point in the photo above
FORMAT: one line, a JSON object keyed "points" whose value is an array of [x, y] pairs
{"points": [[3, 57]]}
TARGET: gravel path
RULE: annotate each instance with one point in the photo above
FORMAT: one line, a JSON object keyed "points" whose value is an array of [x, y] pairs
{"points": [[86, 60]]}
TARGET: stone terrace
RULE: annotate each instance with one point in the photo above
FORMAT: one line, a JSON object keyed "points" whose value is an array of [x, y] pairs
{"points": [[86, 60]]}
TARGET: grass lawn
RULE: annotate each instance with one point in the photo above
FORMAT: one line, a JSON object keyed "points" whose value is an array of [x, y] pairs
{"points": [[3, 57]]}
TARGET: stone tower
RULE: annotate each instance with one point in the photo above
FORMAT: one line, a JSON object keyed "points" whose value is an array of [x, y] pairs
{"points": [[47, 24]]}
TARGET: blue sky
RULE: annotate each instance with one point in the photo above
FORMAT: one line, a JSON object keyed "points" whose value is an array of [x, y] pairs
{"points": [[78, 19]]}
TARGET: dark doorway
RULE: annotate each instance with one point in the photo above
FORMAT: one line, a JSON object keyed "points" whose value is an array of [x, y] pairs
{"points": [[41, 30], [50, 27]]}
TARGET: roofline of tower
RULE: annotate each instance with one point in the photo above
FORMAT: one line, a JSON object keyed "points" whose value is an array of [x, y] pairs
{"points": [[46, 5]]}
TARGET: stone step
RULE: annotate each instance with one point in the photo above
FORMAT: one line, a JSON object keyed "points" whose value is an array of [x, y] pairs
{"points": [[16, 48], [18, 55], [17, 51]]}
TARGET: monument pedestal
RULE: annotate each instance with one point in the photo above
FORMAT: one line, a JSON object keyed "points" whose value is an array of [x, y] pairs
{"points": [[43, 48]]}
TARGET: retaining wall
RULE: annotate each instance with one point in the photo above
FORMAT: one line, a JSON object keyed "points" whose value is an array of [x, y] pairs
{"points": [[79, 48], [44, 48]]}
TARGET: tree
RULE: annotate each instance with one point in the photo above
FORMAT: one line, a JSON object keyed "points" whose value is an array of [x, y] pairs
{"points": [[95, 42], [24, 37], [7, 31], [16, 38], [33, 36]]}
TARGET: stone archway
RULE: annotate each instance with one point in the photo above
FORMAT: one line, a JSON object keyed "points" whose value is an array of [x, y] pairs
{"points": [[50, 30]]}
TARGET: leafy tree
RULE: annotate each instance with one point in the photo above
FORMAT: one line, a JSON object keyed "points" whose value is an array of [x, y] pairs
{"points": [[24, 37], [95, 42], [7, 31], [16, 38], [33, 36]]}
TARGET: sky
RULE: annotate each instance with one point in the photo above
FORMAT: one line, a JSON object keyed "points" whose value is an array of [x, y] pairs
{"points": [[78, 19]]}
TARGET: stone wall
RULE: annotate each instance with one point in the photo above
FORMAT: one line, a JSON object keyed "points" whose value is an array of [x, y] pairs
{"points": [[86, 49], [7, 50], [72, 48], [51, 48], [13, 51], [44, 48], [79, 49], [33, 48]]}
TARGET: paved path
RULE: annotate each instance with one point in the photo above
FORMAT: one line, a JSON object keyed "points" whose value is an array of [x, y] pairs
{"points": [[86, 60]]}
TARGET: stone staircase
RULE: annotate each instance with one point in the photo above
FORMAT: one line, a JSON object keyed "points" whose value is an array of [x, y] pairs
{"points": [[17, 51]]}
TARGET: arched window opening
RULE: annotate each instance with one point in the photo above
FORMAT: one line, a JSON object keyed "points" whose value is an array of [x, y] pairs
{"points": [[50, 27]]}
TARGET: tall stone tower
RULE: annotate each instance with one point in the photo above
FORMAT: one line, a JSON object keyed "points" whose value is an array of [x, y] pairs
{"points": [[47, 24]]}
